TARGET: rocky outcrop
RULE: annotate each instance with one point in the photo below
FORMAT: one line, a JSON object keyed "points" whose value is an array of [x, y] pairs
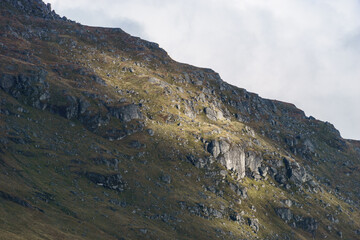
{"points": [[284, 213], [126, 113], [15, 199], [288, 171], [234, 157], [114, 182], [33, 7], [296, 173], [308, 224], [213, 115], [254, 224], [29, 87], [198, 162], [230, 156]]}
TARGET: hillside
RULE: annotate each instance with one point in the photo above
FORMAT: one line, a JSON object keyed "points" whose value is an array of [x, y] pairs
{"points": [[104, 136]]}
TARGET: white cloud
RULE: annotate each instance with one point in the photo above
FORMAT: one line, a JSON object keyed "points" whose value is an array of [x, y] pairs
{"points": [[302, 51]]}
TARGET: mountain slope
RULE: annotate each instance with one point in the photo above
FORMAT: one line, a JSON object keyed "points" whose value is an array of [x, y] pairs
{"points": [[104, 136]]}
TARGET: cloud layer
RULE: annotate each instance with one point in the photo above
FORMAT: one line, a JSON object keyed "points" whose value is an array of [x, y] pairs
{"points": [[302, 51]]}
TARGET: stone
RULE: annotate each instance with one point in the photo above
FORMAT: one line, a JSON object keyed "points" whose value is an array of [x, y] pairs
{"points": [[238, 190], [150, 132], [114, 182], [198, 162], [83, 105], [98, 80], [213, 114], [254, 224], [166, 178], [308, 224], [296, 173], [263, 171], [126, 113], [288, 203], [252, 161], [233, 157], [284, 213], [30, 87], [235, 216]]}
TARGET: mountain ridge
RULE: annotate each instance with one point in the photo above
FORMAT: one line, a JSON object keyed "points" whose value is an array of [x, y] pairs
{"points": [[95, 121]]}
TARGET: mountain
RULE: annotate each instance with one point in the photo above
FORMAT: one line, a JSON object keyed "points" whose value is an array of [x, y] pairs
{"points": [[104, 136]]}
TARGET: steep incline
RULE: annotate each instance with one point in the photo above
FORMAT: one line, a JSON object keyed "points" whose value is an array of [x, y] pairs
{"points": [[104, 136]]}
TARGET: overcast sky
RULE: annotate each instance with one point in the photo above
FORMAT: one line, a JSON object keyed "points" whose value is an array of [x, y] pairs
{"points": [[306, 52]]}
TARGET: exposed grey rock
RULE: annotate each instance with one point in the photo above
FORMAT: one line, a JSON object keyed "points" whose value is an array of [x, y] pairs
{"points": [[126, 113], [232, 157], [136, 144], [158, 82], [213, 115], [34, 8], [150, 132], [98, 80], [254, 224], [71, 109], [118, 203], [198, 162], [263, 171], [29, 87], [166, 178], [296, 173], [253, 162], [287, 202], [83, 105], [284, 213], [238, 190], [114, 182], [307, 224], [235, 216]]}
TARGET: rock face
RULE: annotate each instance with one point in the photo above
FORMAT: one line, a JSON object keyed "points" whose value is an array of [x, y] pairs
{"points": [[284, 213], [30, 87], [254, 224], [34, 7], [213, 115], [296, 173], [231, 157], [93, 78], [126, 113], [235, 158], [308, 224]]}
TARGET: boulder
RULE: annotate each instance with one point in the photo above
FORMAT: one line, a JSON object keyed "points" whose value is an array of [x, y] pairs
{"points": [[213, 115], [254, 224]]}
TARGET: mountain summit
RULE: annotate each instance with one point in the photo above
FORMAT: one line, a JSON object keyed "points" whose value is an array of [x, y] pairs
{"points": [[104, 136]]}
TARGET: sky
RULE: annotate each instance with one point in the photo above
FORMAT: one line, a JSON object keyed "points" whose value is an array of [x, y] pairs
{"points": [[306, 52]]}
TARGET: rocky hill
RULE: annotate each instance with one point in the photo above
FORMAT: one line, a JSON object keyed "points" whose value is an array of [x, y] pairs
{"points": [[104, 136]]}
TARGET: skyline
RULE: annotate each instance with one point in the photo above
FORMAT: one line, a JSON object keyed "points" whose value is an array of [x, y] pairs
{"points": [[303, 52]]}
